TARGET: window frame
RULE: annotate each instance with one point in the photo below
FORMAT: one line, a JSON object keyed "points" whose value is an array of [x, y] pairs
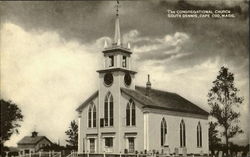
{"points": [[111, 61], [109, 110], [182, 134], [199, 135], [92, 120], [124, 61], [163, 131], [131, 113]]}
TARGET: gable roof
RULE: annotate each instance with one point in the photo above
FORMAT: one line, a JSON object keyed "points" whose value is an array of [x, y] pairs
{"points": [[32, 140], [94, 95], [163, 100]]}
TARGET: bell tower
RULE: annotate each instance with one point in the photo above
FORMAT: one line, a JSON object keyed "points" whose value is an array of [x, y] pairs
{"points": [[116, 73], [117, 70]]}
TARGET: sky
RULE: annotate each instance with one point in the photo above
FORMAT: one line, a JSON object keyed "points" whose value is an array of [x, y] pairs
{"points": [[50, 51]]}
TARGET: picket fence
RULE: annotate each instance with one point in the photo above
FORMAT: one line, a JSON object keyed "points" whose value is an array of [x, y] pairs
{"points": [[42, 154]]}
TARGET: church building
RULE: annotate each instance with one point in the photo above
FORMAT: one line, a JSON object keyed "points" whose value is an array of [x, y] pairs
{"points": [[121, 117]]}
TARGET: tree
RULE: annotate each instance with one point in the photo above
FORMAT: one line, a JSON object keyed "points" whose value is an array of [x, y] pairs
{"points": [[10, 115], [224, 102], [213, 137], [72, 134]]}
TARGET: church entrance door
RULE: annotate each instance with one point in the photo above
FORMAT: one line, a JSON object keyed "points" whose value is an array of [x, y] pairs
{"points": [[92, 145], [131, 144]]}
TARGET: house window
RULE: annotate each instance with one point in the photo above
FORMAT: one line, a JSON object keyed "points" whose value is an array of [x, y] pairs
{"points": [[199, 135], [130, 113], [163, 131], [111, 61], [92, 116], [182, 134], [108, 110], [124, 61]]}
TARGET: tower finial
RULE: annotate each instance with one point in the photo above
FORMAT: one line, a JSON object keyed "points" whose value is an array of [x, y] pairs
{"points": [[117, 38]]}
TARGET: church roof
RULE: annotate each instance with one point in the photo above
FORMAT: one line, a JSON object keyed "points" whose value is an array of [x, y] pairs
{"points": [[94, 95], [32, 140], [163, 100]]}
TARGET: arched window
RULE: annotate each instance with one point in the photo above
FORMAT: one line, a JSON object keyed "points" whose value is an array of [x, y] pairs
{"points": [[133, 113], [108, 110], [92, 116], [182, 134], [199, 135], [111, 111], [163, 131], [130, 113]]}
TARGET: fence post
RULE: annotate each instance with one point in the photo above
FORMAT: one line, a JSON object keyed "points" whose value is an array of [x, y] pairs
{"points": [[6, 155], [40, 154]]}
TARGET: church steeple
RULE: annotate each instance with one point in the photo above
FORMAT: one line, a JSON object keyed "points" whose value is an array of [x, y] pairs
{"points": [[117, 57], [117, 37]]}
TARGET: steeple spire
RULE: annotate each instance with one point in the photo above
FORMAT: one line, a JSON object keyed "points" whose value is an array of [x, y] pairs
{"points": [[117, 38]]}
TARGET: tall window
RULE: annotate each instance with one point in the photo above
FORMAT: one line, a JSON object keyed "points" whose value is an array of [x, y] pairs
{"points": [[106, 111], [92, 116], [130, 113], [109, 110], [182, 134], [124, 61], [163, 131], [111, 61], [133, 113], [199, 135]]}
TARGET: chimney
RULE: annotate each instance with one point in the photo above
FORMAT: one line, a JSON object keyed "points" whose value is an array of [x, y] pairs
{"points": [[34, 134], [148, 86]]}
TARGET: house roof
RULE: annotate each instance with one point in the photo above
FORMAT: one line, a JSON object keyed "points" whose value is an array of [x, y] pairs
{"points": [[32, 140], [163, 100], [94, 95]]}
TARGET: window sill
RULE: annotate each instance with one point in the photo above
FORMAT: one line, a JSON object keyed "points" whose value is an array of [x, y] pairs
{"points": [[131, 126], [107, 127]]}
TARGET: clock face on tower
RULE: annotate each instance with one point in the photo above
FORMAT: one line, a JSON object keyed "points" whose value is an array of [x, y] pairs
{"points": [[127, 79], [108, 79]]}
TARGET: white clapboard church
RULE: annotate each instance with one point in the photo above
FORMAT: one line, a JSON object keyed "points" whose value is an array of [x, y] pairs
{"points": [[121, 117]]}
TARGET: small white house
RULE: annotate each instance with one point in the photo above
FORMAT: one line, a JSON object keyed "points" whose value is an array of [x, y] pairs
{"points": [[33, 143], [122, 117]]}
